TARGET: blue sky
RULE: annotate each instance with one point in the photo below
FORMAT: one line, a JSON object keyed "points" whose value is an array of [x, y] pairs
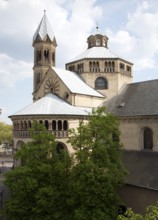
{"points": [[132, 28]]}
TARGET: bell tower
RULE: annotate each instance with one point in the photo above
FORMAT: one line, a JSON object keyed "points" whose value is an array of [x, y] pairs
{"points": [[44, 44]]}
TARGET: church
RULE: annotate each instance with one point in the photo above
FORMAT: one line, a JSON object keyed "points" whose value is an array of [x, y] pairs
{"points": [[96, 77]]}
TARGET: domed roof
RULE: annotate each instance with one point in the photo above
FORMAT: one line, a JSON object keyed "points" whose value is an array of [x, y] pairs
{"points": [[95, 52]]}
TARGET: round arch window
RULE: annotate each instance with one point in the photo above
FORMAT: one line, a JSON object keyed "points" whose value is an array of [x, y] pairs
{"points": [[101, 83], [148, 139], [61, 150]]}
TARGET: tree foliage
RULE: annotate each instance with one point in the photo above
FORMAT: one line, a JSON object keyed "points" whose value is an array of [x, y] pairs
{"points": [[151, 214], [52, 185], [98, 171], [39, 189], [5, 133]]}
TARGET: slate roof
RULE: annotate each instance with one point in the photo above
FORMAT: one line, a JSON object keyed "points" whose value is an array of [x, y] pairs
{"points": [[44, 29], [142, 168], [51, 105], [135, 99], [95, 52], [75, 83]]}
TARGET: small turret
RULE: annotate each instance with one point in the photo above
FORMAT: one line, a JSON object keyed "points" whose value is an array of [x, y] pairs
{"points": [[97, 40]]}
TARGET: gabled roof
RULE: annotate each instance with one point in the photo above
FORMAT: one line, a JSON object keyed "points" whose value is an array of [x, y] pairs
{"points": [[95, 52], [142, 168], [75, 83], [43, 30], [51, 105], [136, 99]]}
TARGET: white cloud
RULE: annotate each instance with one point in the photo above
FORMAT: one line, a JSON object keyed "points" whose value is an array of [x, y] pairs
{"points": [[11, 71], [73, 31], [133, 38], [137, 40]]}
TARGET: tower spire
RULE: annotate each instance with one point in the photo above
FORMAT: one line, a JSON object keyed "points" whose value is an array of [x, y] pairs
{"points": [[44, 44], [44, 30]]}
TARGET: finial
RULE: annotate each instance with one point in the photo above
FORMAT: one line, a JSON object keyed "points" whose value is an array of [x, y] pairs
{"points": [[44, 11], [97, 28]]}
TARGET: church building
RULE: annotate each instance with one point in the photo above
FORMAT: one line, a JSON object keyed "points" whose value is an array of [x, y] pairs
{"points": [[96, 77], [62, 97]]}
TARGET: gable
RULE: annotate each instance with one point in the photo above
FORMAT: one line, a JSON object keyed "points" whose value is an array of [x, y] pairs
{"points": [[52, 84]]}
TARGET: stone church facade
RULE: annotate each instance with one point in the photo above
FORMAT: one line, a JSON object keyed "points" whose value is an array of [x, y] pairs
{"points": [[96, 77], [89, 80]]}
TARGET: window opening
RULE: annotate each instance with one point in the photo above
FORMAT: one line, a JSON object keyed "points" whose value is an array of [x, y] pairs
{"points": [[148, 138], [101, 83]]}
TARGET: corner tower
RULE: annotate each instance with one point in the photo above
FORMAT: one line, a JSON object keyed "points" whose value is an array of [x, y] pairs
{"points": [[44, 44]]}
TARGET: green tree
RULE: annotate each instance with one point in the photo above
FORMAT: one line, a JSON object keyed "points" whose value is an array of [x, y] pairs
{"points": [[39, 188], [151, 214], [98, 171], [51, 185], [5, 133]]}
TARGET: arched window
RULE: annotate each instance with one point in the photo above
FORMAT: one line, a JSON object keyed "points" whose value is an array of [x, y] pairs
{"points": [[46, 54], [65, 125], [106, 64], [46, 124], [148, 139], [19, 144], [101, 83], [38, 55], [113, 64], [54, 125], [21, 125], [59, 147], [93, 64], [61, 150], [29, 124], [59, 125], [90, 64], [18, 125], [25, 125]]}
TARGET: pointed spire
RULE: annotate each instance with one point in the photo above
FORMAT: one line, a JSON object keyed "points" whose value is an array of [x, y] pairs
{"points": [[44, 29]]}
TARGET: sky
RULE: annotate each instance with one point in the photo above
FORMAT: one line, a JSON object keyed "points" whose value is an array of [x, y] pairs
{"points": [[131, 26]]}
